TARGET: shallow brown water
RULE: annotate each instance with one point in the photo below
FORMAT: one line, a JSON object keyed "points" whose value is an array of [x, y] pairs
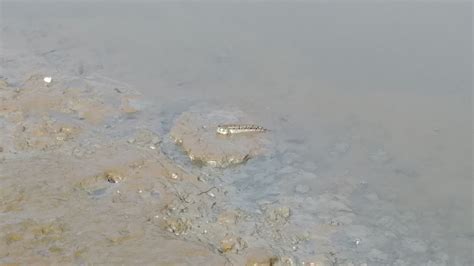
{"points": [[369, 107]]}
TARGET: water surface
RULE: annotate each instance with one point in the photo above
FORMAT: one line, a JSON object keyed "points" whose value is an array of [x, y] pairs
{"points": [[361, 93]]}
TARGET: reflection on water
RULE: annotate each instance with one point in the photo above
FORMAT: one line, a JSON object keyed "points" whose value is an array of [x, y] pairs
{"points": [[369, 107]]}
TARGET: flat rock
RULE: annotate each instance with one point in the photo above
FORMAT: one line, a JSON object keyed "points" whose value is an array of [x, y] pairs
{"points": [[195, 131]]}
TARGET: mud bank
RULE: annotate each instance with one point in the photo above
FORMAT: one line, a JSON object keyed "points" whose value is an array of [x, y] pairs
{"points": [[75, 190], [84, 179]]}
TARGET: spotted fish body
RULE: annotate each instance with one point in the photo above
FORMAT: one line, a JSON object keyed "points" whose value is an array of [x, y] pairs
{"points": [[236, 129]]}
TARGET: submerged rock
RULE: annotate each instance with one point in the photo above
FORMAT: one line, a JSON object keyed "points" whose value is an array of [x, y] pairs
{"points": [[195, 131], [232, 243], [279, 215]]}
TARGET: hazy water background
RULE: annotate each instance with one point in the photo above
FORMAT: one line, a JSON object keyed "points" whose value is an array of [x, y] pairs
{"points": [[376, 92]]}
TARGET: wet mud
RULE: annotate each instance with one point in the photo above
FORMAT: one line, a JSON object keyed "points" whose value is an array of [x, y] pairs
{"points": [[75, 191], [359, 166], [78, 185]]}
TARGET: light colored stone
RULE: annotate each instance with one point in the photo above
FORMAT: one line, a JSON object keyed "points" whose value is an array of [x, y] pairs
{"points": [[227, 218], [232, 243], [195, 131]]}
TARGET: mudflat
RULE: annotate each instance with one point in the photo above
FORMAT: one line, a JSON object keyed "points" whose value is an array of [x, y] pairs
{"points": [[116, 158]]}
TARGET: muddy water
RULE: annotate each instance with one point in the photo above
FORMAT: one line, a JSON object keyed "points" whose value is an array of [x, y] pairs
{"points": [[369, 157]]}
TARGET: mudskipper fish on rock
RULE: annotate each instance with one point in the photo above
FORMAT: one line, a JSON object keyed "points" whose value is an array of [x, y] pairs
{"points": [[237, 129]]}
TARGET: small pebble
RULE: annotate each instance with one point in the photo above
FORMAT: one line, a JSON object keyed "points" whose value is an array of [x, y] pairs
{"points": [[174, 176], [357, 241], [48, 79]]}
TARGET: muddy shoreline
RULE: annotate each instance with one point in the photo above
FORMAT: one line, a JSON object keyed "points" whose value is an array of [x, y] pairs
{"points": [[115, 161], [76, 188]]}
